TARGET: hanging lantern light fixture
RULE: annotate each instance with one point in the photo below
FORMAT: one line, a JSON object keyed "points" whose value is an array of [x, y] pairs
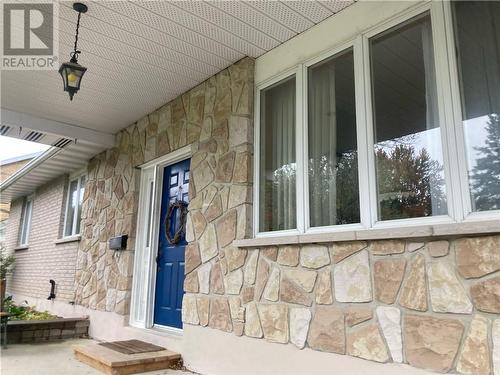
{"points": [[72, 72]]}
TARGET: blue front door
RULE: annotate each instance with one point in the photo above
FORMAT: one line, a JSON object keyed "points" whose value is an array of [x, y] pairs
{"points": [[170, 258]]}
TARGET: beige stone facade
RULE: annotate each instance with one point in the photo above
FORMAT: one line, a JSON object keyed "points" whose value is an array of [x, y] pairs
{"points": [[215, 120], [431, 304]]}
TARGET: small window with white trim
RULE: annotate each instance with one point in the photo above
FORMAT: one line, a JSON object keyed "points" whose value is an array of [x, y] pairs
{"points": [[26, 221], [76, 189], [278, 167]]}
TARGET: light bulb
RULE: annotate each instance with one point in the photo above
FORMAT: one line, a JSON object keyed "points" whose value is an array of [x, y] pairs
{"points": [[72, 77]]}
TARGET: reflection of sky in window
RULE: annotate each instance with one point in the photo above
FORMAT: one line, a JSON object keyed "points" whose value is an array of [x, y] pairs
{"points": [[82, 190], [475, 136], [430, 140], [73, 198]]}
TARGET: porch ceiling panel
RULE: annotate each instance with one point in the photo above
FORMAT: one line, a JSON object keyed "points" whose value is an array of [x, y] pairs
{"points": [[142, 54]]}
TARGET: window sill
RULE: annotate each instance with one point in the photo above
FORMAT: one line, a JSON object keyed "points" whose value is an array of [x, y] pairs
{"points": [[418, 231], [68, 239], [23, 247]]}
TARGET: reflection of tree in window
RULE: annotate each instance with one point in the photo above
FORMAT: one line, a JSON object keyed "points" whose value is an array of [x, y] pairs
{"points": [[486, 173], [284, 178], [411, 183], [344, 173]]}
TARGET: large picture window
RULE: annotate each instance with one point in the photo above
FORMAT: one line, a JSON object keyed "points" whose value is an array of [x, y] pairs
{"points": [[369, 135], [477, 39], [76, 188], [408, 154]]}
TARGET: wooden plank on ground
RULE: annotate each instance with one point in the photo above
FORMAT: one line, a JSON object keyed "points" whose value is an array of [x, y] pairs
{"points": [[131, 346], [112, 362]]}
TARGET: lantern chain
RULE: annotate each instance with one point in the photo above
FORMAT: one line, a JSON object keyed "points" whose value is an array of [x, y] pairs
{"points": [[74, 54]]}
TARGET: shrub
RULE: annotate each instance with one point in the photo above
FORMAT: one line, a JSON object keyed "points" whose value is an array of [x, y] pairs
{"points": [[25, 312]]}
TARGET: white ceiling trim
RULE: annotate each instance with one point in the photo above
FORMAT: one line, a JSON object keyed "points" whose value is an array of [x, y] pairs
{"points": [[17, 119]]}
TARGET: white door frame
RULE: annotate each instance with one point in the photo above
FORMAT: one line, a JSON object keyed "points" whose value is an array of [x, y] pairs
{"points": [[146, 249]]}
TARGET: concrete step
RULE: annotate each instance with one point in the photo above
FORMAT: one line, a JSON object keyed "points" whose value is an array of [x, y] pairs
{"points": [[112, 362]]}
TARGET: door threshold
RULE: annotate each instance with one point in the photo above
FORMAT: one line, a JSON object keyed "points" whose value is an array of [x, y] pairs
{"points": [[166, 329], [159, 330]]}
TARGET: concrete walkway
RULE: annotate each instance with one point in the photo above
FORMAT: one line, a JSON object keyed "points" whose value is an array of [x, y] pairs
{"points": [[55, 358]]}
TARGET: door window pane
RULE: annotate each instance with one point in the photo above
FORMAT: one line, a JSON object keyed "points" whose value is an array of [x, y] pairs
{"points": [[408, 153], [477, 34], [332, 148], [277, 196]]}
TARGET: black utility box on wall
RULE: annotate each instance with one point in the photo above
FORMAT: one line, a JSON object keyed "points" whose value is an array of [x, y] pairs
{"points": [[118, 243]]}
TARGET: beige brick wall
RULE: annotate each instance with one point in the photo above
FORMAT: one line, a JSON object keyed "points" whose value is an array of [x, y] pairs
{"points": [[43, 259]]}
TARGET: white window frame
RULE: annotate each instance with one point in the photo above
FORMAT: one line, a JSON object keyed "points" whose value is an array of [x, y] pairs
{"points": [[26, 219], [297, 72], [455, 113], [148, 226], [395, 22], [450, 120], [76, 177], [361, 145]]}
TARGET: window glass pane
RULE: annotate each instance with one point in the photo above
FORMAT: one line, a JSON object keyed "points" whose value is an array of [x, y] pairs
{"points": [[80, 201], [333, 161], [477, 33], [22, 239], [3, 229], [277, 199], [408, 154], [25, 225], [72, 204]]}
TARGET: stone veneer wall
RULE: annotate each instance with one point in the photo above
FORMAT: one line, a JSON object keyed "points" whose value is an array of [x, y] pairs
{"points": [[433, 304], [215, 118]]}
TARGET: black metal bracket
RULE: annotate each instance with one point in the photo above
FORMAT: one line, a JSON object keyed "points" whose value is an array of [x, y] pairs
{"points": [[52, 290]]}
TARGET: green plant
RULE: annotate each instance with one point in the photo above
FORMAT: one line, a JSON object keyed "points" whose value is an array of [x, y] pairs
{"points": [[6, 262], [25, 312], [11, 308]]}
